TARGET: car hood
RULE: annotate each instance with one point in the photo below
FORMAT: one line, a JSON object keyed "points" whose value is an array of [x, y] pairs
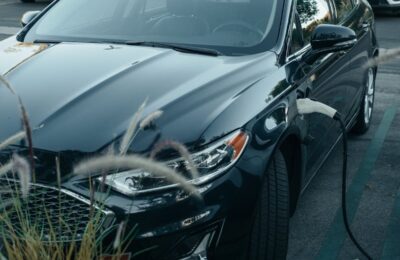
{"points": [[82, 96]]}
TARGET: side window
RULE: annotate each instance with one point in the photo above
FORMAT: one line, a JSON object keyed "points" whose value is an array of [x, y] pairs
{"points": [[343, 9], [296, 42], [313, 13]]}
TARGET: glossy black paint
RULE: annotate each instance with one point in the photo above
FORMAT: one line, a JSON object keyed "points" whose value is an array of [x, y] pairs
{"points": [[328, 36], [80, 98]]}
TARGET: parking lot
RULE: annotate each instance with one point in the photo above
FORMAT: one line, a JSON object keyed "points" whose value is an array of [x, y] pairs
{"points": [[374, 178]]}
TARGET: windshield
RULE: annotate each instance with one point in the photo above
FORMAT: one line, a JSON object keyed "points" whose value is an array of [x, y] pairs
{"points": [[229, 26]]}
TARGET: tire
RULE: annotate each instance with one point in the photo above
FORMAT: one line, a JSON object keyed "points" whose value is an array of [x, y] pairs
{"points": [[364, 117], [27, 1], [269, 235]]}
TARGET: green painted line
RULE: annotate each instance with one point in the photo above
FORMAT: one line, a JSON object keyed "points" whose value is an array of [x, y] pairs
{"points": [[336, 234], [391, 248]]}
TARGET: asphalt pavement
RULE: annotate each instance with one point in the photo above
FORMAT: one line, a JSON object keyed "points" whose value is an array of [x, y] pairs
{"points": [[11, 12], [316, 230]]}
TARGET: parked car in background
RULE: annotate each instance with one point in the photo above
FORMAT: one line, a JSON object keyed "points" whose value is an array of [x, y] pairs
{"points": [[226, 74], [385, 5]]}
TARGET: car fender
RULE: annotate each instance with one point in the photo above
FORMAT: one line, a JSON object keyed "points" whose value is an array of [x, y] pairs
{"points": [[279, 128]]}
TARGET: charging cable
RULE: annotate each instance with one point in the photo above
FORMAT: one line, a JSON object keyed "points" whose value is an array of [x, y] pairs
{"points": [[308, 106]]}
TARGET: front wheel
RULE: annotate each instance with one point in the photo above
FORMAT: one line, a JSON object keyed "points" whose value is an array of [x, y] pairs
{"points": [[367, 105], [269, 235]]}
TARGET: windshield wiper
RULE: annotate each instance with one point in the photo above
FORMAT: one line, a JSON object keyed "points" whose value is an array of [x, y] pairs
{"points": [[83, 41], [46, 41], [176, 47]]}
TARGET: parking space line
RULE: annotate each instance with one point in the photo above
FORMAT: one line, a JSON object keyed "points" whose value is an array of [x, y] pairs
{"points": [[391, 249], [336, 234]]}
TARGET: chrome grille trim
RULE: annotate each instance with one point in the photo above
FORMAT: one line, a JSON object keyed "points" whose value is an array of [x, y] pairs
{"points": [[47, 205]]}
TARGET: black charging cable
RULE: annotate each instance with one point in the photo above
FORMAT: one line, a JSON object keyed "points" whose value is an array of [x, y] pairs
{"points": [[338, 118], [308, 106]]}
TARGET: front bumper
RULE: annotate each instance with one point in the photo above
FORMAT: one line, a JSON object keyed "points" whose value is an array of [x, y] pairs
{"points": [[182, 227], [175, 226]]}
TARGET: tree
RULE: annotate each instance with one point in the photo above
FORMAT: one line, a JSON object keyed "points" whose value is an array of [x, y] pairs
{"points": [[307, 9]]}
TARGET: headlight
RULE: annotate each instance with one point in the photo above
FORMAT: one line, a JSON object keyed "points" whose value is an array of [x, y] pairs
{"points": [[210, 162]]}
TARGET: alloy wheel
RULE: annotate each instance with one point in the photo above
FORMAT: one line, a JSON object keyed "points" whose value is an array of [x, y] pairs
{"points": [[369, 96]]}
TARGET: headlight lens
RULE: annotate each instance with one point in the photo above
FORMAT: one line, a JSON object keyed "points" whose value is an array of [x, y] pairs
{"points": [[210, 162]]}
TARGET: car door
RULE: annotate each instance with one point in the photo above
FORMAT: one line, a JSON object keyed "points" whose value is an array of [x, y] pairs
{"points": [[324, 80], [358, 17]]}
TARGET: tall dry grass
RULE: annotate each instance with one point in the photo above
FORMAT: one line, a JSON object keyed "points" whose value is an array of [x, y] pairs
{"points": [[384, 57], [24, 238]]}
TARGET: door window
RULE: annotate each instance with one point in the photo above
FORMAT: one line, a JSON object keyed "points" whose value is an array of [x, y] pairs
{"points": [[313, 13], [297, 41], [343, 9]]}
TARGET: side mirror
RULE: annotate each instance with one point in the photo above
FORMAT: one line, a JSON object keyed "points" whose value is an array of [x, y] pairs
{"points": [[328, 38], [28, 17]]}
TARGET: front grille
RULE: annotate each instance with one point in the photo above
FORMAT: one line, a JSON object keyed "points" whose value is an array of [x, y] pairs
{"points": [[57, 215]]}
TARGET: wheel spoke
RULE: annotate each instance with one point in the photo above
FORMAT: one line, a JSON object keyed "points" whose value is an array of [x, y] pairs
{"points": [[369, 96], [371, 100]]}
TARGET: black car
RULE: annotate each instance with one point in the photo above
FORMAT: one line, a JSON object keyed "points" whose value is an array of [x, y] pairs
{"points": [[226, 75], [385, 5]]}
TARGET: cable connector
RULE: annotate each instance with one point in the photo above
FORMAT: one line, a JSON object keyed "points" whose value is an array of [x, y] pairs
{"points": [[308, 106]]}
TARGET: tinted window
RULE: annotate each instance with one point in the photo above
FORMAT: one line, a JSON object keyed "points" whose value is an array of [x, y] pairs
{"points": [[297, 39], [313, 13], [343, 9], [237, 25]]}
